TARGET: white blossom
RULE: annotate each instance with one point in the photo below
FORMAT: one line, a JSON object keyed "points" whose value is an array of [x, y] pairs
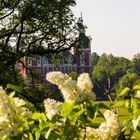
{"points": [[112, 123], [107, 130], [64, 83], [84, 82], [72, 91], [19, 102], [52, 108], [11, 115]]}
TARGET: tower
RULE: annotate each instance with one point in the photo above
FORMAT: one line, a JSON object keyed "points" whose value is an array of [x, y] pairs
{"points": [[83, 58]]}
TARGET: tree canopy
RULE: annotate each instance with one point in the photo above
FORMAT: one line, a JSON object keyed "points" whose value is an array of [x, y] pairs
{"points": [[36, 27], [128, 80], [107, 72], [136, 63]]}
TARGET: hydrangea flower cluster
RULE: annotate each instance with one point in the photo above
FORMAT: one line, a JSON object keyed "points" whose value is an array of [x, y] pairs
{"points": [[79, 91], [52, 107], [65, 84], [107, 130], [72, 91], [85, 86], [84, 82], [11, 114]]}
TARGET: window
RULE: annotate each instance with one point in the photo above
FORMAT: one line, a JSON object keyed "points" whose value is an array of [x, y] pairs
{"points": [[30, 61], [39, 62]]}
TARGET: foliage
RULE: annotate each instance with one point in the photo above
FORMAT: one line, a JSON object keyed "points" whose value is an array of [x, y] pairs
{"points": [[136, 63], [75, 118], [130, 127], [73, 75], [94, 59], [107, 71], [11, 75], [35, 95], [128, 80], [34, 27]]}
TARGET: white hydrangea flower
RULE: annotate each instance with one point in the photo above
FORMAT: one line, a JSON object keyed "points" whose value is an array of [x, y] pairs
{"points": [[112, 122], [52, 107], [91, 133], [7, 113], [10, 115], [58, 78], [84, 82], [72, 90], [64, 83], [107, 130], [19, 102]]}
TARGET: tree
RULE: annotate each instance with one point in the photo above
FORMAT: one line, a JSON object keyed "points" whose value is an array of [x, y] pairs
{"points": [[36, 27], [136, 63], [128, 80], [94, 58], [108, 71]]}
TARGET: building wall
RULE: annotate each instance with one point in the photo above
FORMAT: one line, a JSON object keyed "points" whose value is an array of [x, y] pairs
{"points": [[78, 63]]}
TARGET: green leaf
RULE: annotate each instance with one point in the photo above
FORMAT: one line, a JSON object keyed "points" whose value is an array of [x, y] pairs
{"points": [[13, 87], [119, 104], [30, 136], [138, 104], [124, 91], [136, 87], [103, 106], [135, 122], [127, 124], [134, 107], [52, 135], [128, 104], [30, 106], [67, 109], [37, 135], [92, 111], [74, 117], [12, 94], [37, 116]]}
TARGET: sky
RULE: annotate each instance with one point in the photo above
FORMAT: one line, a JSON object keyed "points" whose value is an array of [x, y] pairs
{"points": [[114, 25]]}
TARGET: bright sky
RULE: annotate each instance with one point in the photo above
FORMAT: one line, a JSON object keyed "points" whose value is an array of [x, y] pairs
{"points": [[114, 25]]}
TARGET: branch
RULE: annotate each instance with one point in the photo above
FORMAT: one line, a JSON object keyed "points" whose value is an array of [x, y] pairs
{"points": [[108, 95], [51, 51], [7, 14], [10, 12], [20, 35], [9, 33], [67, 48]]}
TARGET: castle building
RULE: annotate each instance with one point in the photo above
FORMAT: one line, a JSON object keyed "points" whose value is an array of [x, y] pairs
{"points": [[70, 62], [78, 63]]}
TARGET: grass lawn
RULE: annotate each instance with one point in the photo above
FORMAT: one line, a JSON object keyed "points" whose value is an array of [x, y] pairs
{"points": [[123, 115]]}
